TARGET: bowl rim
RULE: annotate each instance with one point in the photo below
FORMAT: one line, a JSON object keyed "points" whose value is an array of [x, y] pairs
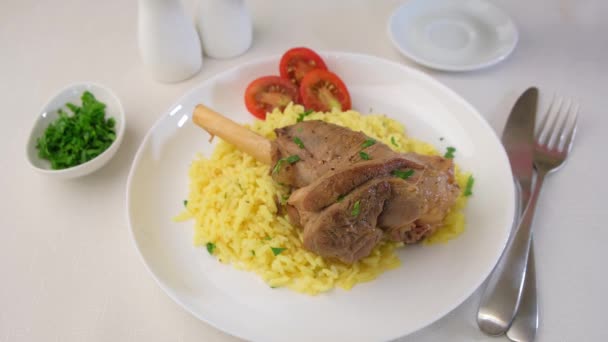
{"points": [[87, 164]]}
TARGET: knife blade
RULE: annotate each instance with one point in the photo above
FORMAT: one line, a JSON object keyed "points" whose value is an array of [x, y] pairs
{"points": [[518, 140], [498, 305]]}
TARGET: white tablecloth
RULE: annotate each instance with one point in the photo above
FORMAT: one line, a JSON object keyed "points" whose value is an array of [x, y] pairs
{"points": [[69, 271]]}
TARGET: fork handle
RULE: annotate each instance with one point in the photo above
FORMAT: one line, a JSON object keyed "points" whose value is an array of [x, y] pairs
{"points": [[502, 295], [525, 323]]}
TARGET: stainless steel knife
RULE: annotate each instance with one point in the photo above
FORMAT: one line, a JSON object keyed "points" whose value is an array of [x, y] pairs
{"points": [[500, 300]]}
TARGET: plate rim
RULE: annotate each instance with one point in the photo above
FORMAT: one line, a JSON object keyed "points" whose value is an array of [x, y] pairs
{"points": [[447, 67], [267, 58]]}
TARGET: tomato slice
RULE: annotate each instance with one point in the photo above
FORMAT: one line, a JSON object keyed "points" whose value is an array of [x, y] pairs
{"points": [[297, 62], [269, 92], [322, 90]]}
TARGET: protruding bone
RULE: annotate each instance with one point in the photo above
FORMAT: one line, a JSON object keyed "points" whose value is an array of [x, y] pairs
{"points": [[244, 139]]}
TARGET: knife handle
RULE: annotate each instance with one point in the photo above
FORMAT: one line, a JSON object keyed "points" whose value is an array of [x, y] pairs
{"points": [[502, 295]]}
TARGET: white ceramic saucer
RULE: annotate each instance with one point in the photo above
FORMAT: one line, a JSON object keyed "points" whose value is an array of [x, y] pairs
{"points": [[454, 35]]}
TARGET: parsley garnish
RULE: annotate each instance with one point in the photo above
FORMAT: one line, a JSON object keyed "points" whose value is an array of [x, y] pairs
{"points": [[277, 250], [368, 143], [304, 114], [252, 252], [340, 198], [298, 142], [185, 203], [468, 190], [449, 153], [394, 142], [74, 139], [356, 209], [267, 238], [403, 174], [291, 159], [210, 247], [364, 156]]}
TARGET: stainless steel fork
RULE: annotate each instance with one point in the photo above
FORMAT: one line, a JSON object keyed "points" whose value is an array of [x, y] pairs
{"points": [[553, 143]]}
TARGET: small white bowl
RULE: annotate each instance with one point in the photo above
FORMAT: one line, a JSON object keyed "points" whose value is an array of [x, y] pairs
{"points": [[48, 114], [453, 35]]}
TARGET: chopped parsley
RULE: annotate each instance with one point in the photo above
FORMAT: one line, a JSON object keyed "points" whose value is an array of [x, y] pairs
{"points": [[267, 238], [394, 142], [291, 159], [277, 250], [356, 209], [449, 153], [340, 198], [468, 190], [364, 156], [304, 114], [74, 139], [210, 247], [403, 174], [369, 142], [252, 252], [298, 142], [185, 203]]}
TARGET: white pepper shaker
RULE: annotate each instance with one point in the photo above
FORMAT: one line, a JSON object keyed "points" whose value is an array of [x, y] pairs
{"points": [[225, 27], [168, 41]]}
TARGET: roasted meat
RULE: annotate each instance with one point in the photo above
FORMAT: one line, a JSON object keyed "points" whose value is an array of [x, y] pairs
{"points": [[331, 174], [349, 191]]}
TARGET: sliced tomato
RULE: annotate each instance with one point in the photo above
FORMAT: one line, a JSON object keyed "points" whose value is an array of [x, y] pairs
{"points": [[297, 62], [322, 90], [269, 92]]}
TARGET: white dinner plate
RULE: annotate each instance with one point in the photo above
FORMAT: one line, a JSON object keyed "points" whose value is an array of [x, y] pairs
{"points": [[432, 281], [454, 35]]}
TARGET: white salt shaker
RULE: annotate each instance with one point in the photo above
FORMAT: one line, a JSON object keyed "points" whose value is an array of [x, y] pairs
{"points": [[168, 41], [225, 27]]}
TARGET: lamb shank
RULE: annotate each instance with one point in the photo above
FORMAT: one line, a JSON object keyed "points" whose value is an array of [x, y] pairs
{"points": [[349, 191]]}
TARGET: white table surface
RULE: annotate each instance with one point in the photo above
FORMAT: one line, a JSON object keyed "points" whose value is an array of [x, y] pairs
{"points": [[69, 269]]}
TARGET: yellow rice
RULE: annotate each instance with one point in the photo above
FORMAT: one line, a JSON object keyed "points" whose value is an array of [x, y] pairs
{"points": [[232, 200]]}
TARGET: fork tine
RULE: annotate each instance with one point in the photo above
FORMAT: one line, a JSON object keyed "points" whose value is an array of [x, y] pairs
{"points": [[570, 138], [548, 135], [545, 120], [565, 126], [559, 125]]}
